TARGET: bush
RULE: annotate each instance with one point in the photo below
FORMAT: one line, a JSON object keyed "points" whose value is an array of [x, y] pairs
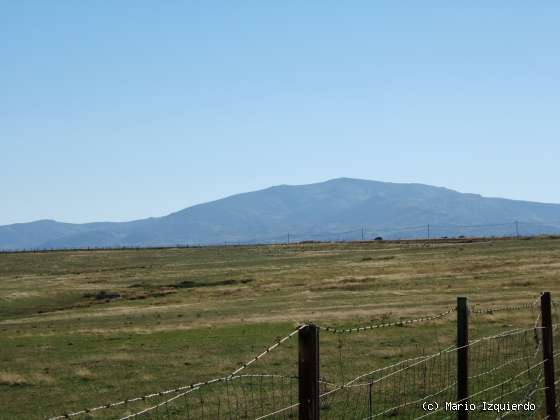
{"points": [[103, 295]]}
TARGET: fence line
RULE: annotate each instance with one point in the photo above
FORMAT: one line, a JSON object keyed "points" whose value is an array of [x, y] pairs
{"points": [[269, 349], [386, 325], [426, 359], [422, 359], [513, 343], [242, 367], [274, 413], [365, 232], [413, 359], [489, 388], [507, 338], [503, 308], [425, 318], [187, 388], [167, 392]]}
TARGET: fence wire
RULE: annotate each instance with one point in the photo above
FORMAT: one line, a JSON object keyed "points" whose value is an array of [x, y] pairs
{"points": [[239, 397], [503, 368], [401, 390], [233, 396], [387, 324]]}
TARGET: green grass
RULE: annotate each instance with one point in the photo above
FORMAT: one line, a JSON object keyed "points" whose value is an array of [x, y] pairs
{"points": [[83, 328]]}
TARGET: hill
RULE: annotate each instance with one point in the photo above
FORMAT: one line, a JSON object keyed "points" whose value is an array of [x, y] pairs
{"points": [[335, 209]]}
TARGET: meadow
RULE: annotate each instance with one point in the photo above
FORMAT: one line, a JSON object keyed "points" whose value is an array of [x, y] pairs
{"points": [[83, 328]]}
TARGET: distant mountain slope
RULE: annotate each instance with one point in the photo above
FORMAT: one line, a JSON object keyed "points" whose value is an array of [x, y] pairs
{"points": [[321, 211]]}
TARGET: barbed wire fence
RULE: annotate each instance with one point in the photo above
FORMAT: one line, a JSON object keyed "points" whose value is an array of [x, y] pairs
{"points": [[510, 373], [404, 389]]}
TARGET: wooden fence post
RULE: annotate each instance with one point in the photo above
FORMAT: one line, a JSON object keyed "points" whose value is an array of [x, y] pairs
{"points": [[370, 404], [308, 368], [548, 356], [462, 358]]}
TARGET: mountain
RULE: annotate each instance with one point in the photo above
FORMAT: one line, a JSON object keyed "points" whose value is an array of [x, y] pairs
{"points": [[335, 209]]}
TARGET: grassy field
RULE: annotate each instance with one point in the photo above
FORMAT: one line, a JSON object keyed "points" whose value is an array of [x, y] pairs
{"points": [[83, 328]]}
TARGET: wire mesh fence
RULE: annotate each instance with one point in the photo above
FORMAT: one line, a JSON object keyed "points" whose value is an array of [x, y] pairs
{"points": [[241, 397], [505, 367], [505, 377]]}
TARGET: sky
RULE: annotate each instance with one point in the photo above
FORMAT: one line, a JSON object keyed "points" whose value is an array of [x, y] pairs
{"points": [[131, 109]]}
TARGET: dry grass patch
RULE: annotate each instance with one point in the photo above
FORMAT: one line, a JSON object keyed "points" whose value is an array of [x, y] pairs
{"points": [[13, 379], [42, 378], [83, 373]]}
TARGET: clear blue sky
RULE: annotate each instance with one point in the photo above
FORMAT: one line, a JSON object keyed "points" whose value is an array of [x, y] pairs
{"points": [[129, 109]]}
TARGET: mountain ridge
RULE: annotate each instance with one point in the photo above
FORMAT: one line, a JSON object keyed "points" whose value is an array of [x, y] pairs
{"points": [[325, 208]]}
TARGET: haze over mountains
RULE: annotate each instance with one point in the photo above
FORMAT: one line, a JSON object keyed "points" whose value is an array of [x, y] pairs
{"points": [[333, 210]]}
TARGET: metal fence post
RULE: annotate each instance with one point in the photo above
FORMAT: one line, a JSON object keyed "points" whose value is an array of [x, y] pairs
{"points": [[308, 368], [548, 356], [462, 358]]}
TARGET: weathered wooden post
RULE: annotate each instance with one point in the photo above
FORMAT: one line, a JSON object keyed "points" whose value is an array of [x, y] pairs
{"points": [[548, 356], [308, 369], [370, 405], [462, 358]]}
